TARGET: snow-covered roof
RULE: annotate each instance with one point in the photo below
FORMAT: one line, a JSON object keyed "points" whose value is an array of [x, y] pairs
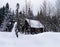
{"points": [[35, 23]]}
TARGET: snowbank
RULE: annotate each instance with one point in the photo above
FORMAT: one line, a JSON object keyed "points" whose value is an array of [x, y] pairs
{"points": [[48, 39]]}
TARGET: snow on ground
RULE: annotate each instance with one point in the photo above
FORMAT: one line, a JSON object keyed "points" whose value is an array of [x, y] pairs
{"points": [[46, 39]]}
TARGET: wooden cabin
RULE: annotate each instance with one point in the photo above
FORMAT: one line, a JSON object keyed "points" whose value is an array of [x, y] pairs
{"points": [[33, 26]]}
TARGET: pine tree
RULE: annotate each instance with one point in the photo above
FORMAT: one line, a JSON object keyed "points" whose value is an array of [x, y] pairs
{"points": [[7, 6], [30, 13], [6, 17], [2, 13], [17, 19]]}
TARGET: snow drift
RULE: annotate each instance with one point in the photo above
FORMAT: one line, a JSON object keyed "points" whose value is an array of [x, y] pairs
{"points": [[48, 39]]}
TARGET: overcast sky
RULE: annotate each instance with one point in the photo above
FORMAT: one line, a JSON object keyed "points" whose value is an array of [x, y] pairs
{"points": [[35, 4]]}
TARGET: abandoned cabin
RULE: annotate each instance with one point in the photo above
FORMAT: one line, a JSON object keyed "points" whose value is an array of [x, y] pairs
{"points": [[33, 26]]}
